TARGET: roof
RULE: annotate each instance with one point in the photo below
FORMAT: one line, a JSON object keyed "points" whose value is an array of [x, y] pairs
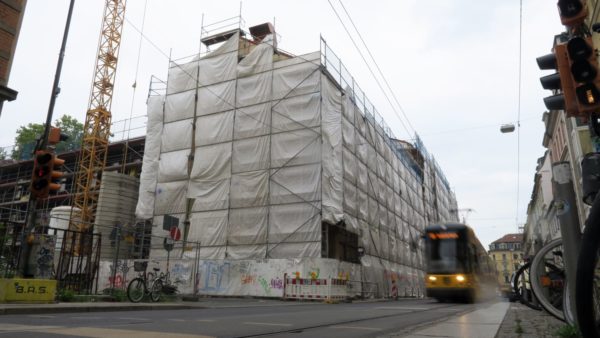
{"points": [[510, 238]]}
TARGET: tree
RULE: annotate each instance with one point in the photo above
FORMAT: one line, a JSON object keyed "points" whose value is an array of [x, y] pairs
{"points": [[27, 137], [73, 129]]}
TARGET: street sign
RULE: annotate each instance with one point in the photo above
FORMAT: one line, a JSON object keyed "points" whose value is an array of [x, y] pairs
{"points": [[168, 244], [175, 233]]}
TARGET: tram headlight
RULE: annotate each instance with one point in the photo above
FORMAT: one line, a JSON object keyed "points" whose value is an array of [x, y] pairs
{"points": [[432, 278], [460, 278]]}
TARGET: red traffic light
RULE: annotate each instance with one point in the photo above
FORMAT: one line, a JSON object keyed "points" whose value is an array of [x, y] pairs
{"points": [[43, 173]]}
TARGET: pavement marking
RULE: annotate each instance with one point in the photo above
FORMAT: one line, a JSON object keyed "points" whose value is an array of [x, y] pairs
{"points": [[86, 317], [206, 320], [96, 332], [7, 328], [268, 324], [176, 320], [355, 328], [403, 308], [133, 318]]}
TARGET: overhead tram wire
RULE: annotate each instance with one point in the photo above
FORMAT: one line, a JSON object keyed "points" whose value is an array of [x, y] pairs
{"points": [[369, 67], [519, 111], [137, 68], [379, 70]]}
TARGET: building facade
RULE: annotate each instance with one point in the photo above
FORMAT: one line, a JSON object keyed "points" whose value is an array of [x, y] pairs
{"points": [[507, 254], [280, 165], [11, 16]]}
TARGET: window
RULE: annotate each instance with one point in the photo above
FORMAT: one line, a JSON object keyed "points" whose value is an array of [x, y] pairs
{"points": [[515, 256], [494, 256], [503, 257], [506, 279]]}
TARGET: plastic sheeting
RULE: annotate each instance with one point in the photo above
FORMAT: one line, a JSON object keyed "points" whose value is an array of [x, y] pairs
{"points": [[260, 153]]}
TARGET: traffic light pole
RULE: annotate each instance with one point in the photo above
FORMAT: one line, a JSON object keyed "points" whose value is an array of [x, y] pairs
{"points": [[31, 205], [570, 229]]}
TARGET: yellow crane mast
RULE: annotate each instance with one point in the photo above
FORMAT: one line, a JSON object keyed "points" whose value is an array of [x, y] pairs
{"points": [[96, 132]]}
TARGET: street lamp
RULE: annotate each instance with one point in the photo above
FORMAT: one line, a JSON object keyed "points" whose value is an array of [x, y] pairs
{"points": [[507, 128]]}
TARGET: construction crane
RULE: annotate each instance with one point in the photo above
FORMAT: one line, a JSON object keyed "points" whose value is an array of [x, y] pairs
{"points": [[96, 132]]}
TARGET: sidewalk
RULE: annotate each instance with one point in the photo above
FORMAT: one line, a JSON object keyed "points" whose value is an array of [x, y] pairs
{"points": [[523, 322], [498, 320]]}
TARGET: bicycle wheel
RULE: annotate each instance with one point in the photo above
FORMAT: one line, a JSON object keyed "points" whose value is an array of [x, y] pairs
{"points": [[587, 294], [156, 290], [522, 289], [136, 290], [548, 279]]}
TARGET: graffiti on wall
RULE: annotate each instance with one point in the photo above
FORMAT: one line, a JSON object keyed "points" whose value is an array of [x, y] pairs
{"points": [[44, 256], [213, 276]]}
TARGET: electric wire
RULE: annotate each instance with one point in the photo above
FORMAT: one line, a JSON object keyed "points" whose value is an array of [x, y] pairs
{"points": [[137, 68], [379, 70], [369, 67], [519, 111]]}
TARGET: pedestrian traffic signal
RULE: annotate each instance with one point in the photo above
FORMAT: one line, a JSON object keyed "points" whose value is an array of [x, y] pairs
{"points": [[558, 61], [584, 70], [572, 12], [43, 174]]}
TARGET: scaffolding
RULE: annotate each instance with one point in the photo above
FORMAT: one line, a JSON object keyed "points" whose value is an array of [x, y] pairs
{"points": [[261, 154]]}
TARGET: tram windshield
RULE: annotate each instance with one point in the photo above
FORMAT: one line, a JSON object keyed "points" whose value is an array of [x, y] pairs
{"points": [[444, 253]]}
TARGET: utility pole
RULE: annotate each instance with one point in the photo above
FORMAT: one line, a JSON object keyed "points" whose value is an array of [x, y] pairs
{"points": [[42, 144]]}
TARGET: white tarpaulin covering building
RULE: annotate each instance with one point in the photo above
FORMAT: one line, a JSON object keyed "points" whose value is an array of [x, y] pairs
{"points": [[266, 156]]}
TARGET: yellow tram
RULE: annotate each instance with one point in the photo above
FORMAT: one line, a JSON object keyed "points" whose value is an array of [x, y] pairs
{"points": [[458, 267]]}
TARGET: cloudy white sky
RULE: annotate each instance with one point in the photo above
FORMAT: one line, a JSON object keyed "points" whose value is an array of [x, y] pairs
{"points": [[452, 64]]}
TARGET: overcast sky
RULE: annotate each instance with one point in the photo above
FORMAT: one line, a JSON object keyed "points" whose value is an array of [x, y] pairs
{"points": [[453, 66]]}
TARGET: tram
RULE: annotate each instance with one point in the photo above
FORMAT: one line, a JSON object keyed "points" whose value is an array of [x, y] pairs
{"points": [[458, 267]]}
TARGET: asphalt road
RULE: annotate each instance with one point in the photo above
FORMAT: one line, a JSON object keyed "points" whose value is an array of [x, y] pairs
{"points": [[376, 319]]}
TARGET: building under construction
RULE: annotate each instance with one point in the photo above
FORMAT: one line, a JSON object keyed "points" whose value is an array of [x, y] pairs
{"points": [[278, 164]]}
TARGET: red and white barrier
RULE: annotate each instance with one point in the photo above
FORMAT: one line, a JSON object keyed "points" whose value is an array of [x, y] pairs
{"points": [[308, 288]]}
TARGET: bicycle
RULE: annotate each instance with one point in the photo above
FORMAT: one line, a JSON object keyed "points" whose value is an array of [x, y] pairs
{"points": [[520, 287], [162, 284], [549, 282], [138, 287]]}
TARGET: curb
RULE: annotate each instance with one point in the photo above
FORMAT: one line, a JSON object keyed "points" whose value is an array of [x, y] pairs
{"points": [[76, 309]]}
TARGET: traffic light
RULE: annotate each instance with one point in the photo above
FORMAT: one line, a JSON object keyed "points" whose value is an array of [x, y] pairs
{"points": [[43, 174], [55, 175], [584, 70], [572, 12], [558, 60]]}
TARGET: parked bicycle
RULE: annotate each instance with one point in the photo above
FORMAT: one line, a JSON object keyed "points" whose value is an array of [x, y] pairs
{"points": [[144, 284], [162, 284]]}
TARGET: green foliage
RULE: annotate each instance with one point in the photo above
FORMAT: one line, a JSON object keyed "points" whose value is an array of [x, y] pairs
{"points": [[519, 328], [66, 295], [568, 331], [27, 136], [72, 128], [117, 294]]}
